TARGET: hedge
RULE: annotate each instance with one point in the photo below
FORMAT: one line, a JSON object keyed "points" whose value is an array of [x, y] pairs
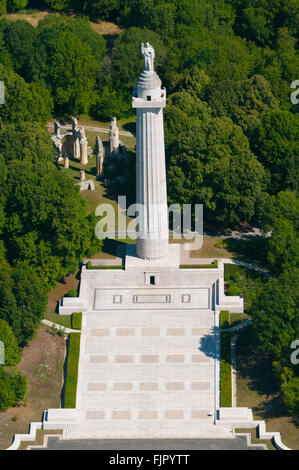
{"points": [[224, 319], [214, 264], [77, 320], [225, 370], [72, 293], [72, 371], [89, 266]]}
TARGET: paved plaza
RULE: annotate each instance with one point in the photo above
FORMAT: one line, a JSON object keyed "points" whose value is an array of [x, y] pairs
{"points": [[147, 373]]}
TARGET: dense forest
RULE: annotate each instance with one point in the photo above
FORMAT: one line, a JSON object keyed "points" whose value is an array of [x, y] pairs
{"points": [[231, 131]]}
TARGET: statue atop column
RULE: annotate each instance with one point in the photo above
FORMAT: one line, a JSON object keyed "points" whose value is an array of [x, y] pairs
{"points": [[149, 55]]}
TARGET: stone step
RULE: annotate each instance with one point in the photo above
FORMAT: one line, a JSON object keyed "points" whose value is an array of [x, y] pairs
{"points": [[145, 372], [147, 428], [145, 400]]}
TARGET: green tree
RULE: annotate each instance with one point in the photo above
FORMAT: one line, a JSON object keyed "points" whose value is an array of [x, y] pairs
{"points": [[19, 39], [57, 4], [275, 316], [23, 300], [13, 386], [2, 7], [212, 164], [12, 350], [276, 143], [290, 390], [283, 246], [23, 102], [71, 74], [14, 5], [243, 101], [26, 141]]}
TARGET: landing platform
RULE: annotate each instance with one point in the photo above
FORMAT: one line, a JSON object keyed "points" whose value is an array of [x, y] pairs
{"points": [[170, 262]]}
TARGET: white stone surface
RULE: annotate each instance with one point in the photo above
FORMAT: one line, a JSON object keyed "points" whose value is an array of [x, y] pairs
{"points": [[151, 198]]}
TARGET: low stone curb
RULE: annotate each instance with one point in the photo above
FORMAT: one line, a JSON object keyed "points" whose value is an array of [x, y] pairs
{"points": [[25, 437], [60, 327]]}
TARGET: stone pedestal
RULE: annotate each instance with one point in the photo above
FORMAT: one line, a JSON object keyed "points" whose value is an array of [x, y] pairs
{"points": [[84, 152], [82, 175]]}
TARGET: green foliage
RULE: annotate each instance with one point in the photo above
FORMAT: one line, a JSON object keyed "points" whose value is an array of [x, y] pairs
{"points": [[72, 293], [275, 314], [13, 386], [90, 266], [214, 264], [77, 320], [260, 20], [23, 102], [14, 5], [19, 39], [23, 299], [12, 350], [234, 291], [57, 4], [280, 216], [2, 7], [276, 143], [71, 74], [72, 371], [290, 390], [243, 101], [212, 164], [26, 141], [225, 370]]}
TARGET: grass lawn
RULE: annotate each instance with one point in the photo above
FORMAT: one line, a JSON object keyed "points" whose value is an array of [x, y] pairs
{"points": [[42, 363], [255, 439], [257, 389], [225, 370], [72, 371], [210, 250], [69, 283]]}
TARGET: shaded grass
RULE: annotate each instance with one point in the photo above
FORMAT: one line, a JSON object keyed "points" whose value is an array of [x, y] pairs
{"points": [[63, 320], [257, 389], [255, 439], [225, 370], [72, 371]]}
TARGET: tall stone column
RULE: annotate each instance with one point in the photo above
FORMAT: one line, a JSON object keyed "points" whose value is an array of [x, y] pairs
{"points": [[77, 150], [84, 152], [151, 196]]}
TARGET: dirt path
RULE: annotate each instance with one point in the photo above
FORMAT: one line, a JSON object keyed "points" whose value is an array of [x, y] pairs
{"points": [[42, 363]]}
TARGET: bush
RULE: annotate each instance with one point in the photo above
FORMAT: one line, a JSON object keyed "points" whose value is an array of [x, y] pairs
{"points": [[225, 371], [77, 320], [72, 293], [72, 371], [89, 266], [13, 386], [234, 290], [214, 264]]}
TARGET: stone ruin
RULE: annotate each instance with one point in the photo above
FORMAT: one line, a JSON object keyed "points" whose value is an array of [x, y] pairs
{"points": [[75, 146]]}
